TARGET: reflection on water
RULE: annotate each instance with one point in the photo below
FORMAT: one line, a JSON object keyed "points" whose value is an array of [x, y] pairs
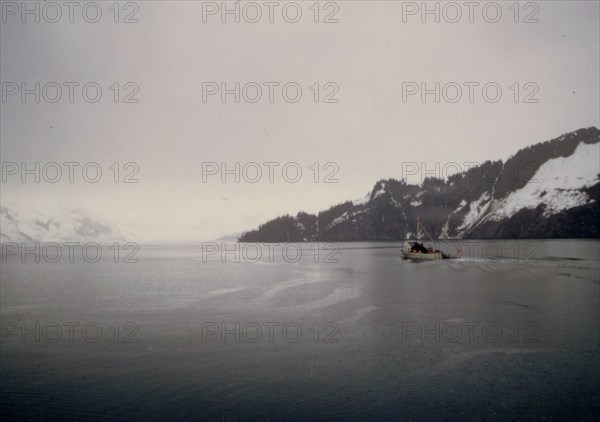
{"points": [[345, 332]]}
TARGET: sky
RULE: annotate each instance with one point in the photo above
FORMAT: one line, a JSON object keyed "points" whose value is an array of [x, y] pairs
{"points": [[366, 123]]}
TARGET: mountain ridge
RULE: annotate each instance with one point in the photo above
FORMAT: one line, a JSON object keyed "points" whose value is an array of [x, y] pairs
{"points": [[546, 190], [66, 224]]}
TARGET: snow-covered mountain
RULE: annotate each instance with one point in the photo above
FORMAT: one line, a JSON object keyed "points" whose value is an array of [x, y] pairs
{"points": [[548, 190], [24, 224]]}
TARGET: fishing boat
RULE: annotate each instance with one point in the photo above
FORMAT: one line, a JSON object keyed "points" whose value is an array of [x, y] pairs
{"points": [[418, 251]]}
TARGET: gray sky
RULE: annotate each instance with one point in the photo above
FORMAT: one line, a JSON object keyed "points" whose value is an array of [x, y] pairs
{"points": [[369, 133]]}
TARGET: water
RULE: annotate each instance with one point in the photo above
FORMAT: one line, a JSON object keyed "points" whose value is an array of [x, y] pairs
{"points": [[507, 332]]}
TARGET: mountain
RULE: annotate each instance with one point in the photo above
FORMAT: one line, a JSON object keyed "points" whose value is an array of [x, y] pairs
{"points": [[547, 190], [63, 225], [233, 237]]}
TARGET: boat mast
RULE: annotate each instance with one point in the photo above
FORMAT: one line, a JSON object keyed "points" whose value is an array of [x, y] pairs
{"points": [[421, 227]]}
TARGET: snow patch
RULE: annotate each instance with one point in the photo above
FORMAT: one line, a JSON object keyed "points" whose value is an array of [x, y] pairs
{"points": [[444, 234], [556, 184], [380, 191], [338, 220], [396, 203], [476, 210], [362, 201]]}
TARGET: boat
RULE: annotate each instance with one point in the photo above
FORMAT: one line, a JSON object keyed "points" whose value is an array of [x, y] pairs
{"points": [[430, 255], [418, 251]]}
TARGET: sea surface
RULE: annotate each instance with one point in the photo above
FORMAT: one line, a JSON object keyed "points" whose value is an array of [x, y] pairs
{"points": [[508, 330]]}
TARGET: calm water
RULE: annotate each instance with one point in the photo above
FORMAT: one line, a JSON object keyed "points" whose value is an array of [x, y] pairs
{"points": [[507, 332]]}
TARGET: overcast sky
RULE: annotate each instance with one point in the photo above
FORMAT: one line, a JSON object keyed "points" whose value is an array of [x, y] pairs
{"points": [[368, 133]]}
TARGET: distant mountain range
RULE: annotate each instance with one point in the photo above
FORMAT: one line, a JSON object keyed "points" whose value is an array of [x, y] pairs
{"points": [[62, 225], [547, 190]]}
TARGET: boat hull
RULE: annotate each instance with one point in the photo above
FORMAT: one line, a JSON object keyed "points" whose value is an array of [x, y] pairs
{"points": [[420, 256]]}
